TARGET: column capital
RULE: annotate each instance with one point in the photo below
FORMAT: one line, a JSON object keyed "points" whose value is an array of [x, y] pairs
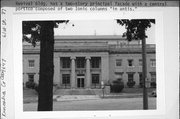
{"points": [[73, 57], [88, 57]]}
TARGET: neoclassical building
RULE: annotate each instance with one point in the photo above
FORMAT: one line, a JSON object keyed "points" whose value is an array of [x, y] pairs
{"points": [[87, 61]]}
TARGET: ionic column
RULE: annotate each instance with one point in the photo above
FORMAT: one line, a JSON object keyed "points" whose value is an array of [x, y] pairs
{"points": [[73, 74], [88, 73]]}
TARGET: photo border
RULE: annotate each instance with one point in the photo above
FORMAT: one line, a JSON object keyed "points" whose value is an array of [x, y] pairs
{"points": [[17, 46]]}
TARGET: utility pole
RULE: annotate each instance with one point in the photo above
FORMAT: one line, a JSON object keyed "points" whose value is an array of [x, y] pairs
{"points": [[144, 75]]}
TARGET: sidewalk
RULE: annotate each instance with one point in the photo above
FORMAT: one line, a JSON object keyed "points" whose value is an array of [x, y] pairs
{"points": [[75, 97], [59, 98], [63, 98]]}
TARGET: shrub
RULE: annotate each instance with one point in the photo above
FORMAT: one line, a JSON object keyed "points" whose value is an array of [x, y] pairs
{"points": [[130, 84], [32, 85], [117, 86]]}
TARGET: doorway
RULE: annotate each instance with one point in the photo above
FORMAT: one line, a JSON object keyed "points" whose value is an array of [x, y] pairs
{"points": [[80, 82]]}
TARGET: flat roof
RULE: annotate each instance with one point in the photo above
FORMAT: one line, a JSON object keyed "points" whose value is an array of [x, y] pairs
{"points": [[89, 37]]}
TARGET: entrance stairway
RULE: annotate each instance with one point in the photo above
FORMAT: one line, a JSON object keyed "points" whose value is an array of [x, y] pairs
{"points": [[77, 92]]}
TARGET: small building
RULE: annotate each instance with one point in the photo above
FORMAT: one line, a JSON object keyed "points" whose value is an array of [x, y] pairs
{"points": [[87, 61]]}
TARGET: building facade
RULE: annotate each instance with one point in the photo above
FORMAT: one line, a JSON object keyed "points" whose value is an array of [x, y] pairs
{"points": [[89, 61]]}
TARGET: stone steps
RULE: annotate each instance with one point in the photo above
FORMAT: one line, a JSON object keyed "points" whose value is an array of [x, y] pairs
{"points": [[74, 92], [75, 97]]}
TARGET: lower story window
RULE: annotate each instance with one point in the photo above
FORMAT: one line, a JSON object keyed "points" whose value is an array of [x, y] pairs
{"points": [[31, 77], [130, 77], [30, 83], [153, 79], [131, 81], [95, 81], [66, 80]]}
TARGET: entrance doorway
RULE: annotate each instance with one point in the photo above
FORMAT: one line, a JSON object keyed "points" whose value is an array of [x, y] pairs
{"points": [[80, 82]]}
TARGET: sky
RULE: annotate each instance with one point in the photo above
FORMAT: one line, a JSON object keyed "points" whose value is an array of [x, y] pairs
{"points": [[98, 27]]}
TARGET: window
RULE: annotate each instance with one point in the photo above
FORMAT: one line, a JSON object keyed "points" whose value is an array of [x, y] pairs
{"points": [[118, 62], [66, 62], [130, 62], [80, 62], [95, 62], [66, 80], [130, 77], [153, 77], [140, 62], [31, 77], [95, 81], [31, 63], [153, 62]]}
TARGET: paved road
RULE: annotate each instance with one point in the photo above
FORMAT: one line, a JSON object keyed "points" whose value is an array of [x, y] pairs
{"points": [[97, 104]]}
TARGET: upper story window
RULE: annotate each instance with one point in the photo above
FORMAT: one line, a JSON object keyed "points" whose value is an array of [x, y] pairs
{"points": [[153, 62], [66, 61], [80, 62], [95, 62], [31, 63], [118, 62], [130, 62]]}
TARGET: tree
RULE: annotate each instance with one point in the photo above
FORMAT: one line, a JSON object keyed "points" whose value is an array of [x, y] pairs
{"points": [[43, 31], [136, 30]]}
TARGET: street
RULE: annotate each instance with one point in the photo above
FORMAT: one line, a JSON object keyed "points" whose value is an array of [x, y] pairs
{"points": [[97, 104]]}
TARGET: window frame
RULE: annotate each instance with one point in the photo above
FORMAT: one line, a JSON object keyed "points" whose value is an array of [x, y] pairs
{"points": [[95, 62], [132, 62], [153, 62], [67, 77], [66, 62], [131, 77], [31, 79], [66, 80], [118, 61], [96, 83], [31, 63], [80, 63], [154, 76]]}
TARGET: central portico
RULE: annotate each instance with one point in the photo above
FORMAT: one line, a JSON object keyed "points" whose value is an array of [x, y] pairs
{"points": [[80, 64], [81, 71]]}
